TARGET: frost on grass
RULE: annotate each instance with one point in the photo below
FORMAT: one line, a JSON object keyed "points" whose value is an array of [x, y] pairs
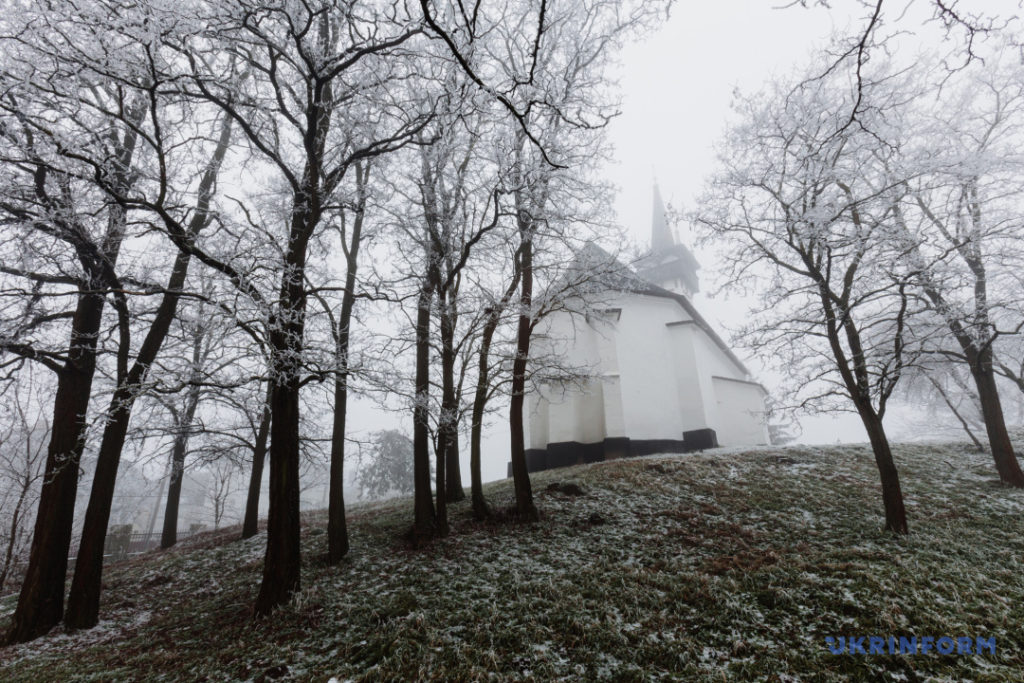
{"points": [[728, 565]]}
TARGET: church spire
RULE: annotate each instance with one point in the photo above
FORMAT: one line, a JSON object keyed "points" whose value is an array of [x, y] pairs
{"points": [[661, 236], [669, 264]]}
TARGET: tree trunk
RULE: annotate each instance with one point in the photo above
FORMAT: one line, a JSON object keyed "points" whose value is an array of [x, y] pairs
{"points": [[151, 524], [521, 477], [337, 528], [41, 601], [252, 502], [448, 423], [892, 495], [453, 470], [84, 599], [282, 564], [481, 510], [995, 423], [179, 450], [424, 521], [169, 535], [442, 500]]}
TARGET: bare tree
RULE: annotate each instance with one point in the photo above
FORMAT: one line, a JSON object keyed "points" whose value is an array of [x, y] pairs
{"points": [[550, 153], [938, 385], [220, 486], [57, 141], [800, 211], [22, 455], [83, 601], [337, 530], [958, 218], [320, 97], [457, 205]]}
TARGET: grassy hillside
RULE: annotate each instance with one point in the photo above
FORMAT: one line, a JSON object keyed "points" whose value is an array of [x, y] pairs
{"points": [[722, 566]]}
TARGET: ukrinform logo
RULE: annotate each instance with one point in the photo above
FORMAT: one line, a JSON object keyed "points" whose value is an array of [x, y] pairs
{"points": [[877, 645]]}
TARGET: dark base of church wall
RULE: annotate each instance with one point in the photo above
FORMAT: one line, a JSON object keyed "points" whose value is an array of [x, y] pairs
{"points": [[569, 453]]}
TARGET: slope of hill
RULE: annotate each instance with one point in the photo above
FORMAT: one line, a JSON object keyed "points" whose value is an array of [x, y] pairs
{"points": [[720, 566]]}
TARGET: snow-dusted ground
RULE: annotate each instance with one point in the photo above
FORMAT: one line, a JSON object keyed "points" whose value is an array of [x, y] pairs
{"points": [[729, 565]]}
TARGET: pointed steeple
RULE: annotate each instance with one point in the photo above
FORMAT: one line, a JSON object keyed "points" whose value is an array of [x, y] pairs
{"points": [[669, 264], [661, 236]]}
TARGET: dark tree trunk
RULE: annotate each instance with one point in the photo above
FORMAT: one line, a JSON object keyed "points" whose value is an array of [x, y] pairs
{"points": [[84, 599], [424, 520], [41, 601], [453, 471], [981, 366], [892, 494], [481, 510], [442, 500], [178, 452], [282, 564], [259, 452], [995, 423], [169, 534], [337, 528], [448, 423], [525, 507]]}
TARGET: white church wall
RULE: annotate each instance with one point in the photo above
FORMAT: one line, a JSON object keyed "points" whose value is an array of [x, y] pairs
{"points": [[715, 361], [614, 419], [588, 411], [737, 406], [537, 421], [657, 374], [692, 414], [650, 405], [741, 413], [605, 325], [572, 411]]}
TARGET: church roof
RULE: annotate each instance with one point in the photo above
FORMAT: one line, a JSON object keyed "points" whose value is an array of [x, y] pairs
{"points": [[605, 272]]}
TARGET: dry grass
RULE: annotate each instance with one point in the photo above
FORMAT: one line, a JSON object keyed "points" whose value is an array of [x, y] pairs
{"points": [[722, 566]]}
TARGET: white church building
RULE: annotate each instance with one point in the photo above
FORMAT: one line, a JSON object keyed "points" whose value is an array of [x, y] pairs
{"points": [[658, 379]]}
